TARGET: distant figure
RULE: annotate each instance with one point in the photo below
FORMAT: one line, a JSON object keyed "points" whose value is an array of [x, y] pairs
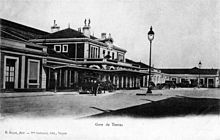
{"points": [[95, 87]]}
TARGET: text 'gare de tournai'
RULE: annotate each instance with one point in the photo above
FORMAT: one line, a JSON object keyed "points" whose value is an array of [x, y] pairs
{"points": [[36, 60]]}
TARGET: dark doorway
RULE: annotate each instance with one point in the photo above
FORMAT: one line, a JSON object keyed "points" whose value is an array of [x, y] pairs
{"points": [[10, 73], [210, 83]]}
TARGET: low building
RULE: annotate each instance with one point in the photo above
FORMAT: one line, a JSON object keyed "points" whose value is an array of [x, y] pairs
{"points": [[194, 77], [21, 60]]}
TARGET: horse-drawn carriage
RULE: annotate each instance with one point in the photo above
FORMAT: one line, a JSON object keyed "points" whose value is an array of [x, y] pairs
{"points": [[93, 86]]}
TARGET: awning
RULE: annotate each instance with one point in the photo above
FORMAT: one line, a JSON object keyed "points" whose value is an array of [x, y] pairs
{"points": [[124, 71]]}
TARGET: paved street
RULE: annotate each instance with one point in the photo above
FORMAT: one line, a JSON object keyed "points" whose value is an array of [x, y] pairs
{"points": [[174, 102]]}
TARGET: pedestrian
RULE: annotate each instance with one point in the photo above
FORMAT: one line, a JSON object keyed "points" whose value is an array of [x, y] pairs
{"points": [[95, 87]]}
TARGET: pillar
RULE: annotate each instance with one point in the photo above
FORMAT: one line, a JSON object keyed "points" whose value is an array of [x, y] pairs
{"points": [[22, 71], [130, 85], [117, 81], [113, 80], [122, 81], [144, 81], [44, 79]]}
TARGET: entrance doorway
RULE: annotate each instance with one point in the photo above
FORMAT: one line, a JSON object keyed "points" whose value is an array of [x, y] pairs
{"points": [[210, 83], [10, 74]]}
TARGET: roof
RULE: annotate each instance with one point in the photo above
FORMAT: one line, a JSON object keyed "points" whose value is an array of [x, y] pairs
{"points": [[139, 64], [118, 48], [66, 33], [19, 30], [194, 70], [5, 34], [71, 33], [132, 62]]}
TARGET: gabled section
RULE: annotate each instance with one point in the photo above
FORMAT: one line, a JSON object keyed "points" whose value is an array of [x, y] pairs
{"points": [[66, 33]]}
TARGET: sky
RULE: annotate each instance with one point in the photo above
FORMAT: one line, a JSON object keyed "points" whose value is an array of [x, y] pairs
{"points": [[186, 31]]}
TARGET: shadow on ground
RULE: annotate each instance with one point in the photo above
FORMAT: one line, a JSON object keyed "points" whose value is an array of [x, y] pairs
{"points": [[171, 107]]}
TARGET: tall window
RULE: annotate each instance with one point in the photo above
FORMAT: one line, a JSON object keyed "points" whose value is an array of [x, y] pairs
{"points": [[33, 72], [113, 55], [94, 52]]}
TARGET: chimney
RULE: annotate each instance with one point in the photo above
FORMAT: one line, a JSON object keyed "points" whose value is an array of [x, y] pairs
{"points": [[110, 38], [79, 29], [55, 28], [103, 36], [86, 28]]}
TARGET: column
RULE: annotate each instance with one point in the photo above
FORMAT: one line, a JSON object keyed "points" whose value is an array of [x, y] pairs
{"points": [[60, 77], [117, 81], [44, 79], [76, 77], [69, 78], [144, 81], [133, 82], [113, 80], [65, 78], [122, 81], [126, 81], [22, 71], [136, 81]]}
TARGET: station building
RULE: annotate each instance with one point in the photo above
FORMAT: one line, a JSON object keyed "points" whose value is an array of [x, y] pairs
{"points": [[32, 59], [36, 60]]}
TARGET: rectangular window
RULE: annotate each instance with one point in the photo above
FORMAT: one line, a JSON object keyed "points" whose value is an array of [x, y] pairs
{"points": [[113, 55], [57, 48], [94, 52], [33, 72], [65, 48]]}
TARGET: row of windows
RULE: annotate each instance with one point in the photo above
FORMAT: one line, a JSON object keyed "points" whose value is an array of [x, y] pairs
{"points": [[94, 52], [63, 49]]}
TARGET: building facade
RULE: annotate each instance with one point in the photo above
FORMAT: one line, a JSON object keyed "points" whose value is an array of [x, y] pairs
{"points": [[21, 61], [35, 60], [32, 59], [194, 77]]}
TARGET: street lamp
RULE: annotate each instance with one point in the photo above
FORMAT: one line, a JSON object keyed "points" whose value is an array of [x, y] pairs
{"points": [[150, 38], [200, 65]]}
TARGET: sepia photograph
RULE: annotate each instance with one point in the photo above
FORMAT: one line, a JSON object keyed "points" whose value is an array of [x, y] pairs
{"points": [[110, 69]]}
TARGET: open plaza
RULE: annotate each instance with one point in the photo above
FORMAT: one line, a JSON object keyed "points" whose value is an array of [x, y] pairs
{"points": [[128, 103]]}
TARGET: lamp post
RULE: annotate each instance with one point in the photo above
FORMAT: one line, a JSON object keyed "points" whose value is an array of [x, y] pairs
{"points": [[150, 38], [55, 82], [200, 65]]}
